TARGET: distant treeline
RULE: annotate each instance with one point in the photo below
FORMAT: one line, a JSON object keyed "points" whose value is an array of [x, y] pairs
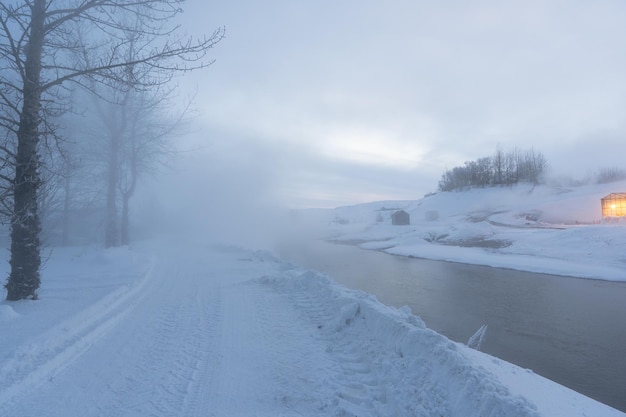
{"points": [[503, 168], [607, 175]]}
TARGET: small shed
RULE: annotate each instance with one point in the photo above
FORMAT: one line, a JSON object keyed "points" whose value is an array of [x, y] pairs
{"points": [[614, 205], [400, 218]]}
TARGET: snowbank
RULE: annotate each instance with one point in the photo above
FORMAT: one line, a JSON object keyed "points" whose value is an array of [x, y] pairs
{"points": [[423, 372], [7, 313]]}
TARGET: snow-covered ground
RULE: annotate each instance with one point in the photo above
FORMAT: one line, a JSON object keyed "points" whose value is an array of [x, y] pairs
{"points": [[547, 229], [168, 328], [176, 327]]}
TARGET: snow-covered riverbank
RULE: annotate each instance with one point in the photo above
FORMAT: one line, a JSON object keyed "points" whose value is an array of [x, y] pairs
{"points": [[191, 329], [545, 229]]}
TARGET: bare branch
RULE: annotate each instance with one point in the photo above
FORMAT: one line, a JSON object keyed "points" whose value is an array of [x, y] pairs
{"points": [[189, 53]]}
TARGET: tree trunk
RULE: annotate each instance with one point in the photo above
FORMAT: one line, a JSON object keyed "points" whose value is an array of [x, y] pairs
{"points": [[130, 190], [126, 196], [111, 231], [25, 261], [125, 222], [67, 203]]}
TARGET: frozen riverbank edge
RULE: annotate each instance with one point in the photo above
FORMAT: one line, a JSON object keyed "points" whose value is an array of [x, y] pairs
{"points": [[281, 341], [542, 229]]}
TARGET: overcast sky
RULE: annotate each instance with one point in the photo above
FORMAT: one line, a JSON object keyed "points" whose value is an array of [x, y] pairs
{"points": [[329, 102]]}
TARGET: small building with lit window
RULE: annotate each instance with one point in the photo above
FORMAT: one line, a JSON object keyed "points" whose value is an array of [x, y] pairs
{"points": [[614, 205]]}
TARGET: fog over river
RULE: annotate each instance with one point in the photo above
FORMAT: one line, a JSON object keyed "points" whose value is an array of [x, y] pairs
{"points": [[567, 329]]}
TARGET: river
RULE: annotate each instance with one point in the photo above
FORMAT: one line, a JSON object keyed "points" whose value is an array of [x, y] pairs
{"points": [[570, 330]]}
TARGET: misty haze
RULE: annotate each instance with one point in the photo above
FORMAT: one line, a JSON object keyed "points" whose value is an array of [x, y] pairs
{"points": [[318, 209]]}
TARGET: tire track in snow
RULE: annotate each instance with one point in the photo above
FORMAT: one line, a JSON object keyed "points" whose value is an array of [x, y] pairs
{"points": [[169, 367], [191, 327], [197, 401], [295, 357], [269, 365], [239, 372], [149, 355], [161, 358], [59, 347]]}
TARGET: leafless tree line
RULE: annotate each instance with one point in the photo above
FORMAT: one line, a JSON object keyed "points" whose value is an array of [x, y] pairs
{"points": [[503, 168], [607, 175], [125, 52]]}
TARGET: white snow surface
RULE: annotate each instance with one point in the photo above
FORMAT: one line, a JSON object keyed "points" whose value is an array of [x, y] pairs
{"points": [[547, 229], [171, 328]]}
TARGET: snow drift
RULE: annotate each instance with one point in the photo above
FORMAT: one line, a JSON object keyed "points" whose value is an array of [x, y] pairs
{"points": [[418, 371]]}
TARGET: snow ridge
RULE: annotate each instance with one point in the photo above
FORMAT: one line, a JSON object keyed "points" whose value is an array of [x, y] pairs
{"points": [[400, 367]]}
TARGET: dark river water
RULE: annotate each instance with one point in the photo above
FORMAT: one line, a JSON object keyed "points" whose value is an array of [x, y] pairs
{"points": [[570, 330]]}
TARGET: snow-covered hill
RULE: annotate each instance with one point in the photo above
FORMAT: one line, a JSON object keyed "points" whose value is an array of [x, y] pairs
{"points": [[533, 228]]}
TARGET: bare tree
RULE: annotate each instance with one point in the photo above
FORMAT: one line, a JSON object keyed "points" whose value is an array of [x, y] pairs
{"points": [[502, 169], [114, 120], [136, 127], [607, 175], [139, 124], [38, 40], [153, 123], [71, 196], [497, 162]]}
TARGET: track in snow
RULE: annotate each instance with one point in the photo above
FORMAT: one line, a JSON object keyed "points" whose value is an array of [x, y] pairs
{"points": [[141, 351]]}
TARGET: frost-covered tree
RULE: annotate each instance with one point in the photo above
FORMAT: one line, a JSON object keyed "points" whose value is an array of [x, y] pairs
{"points": [[39, 43], [504, 168], [135, 130]]}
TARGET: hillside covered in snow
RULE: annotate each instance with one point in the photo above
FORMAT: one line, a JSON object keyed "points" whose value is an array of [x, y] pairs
{"points": [[557, 230]]}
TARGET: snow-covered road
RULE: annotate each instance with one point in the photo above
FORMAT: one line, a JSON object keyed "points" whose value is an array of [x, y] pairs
{"points": [[201, 331], [140, 351]]}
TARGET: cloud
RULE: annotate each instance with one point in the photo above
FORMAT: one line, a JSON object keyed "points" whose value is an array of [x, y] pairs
{"points": [[388, 87]]}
